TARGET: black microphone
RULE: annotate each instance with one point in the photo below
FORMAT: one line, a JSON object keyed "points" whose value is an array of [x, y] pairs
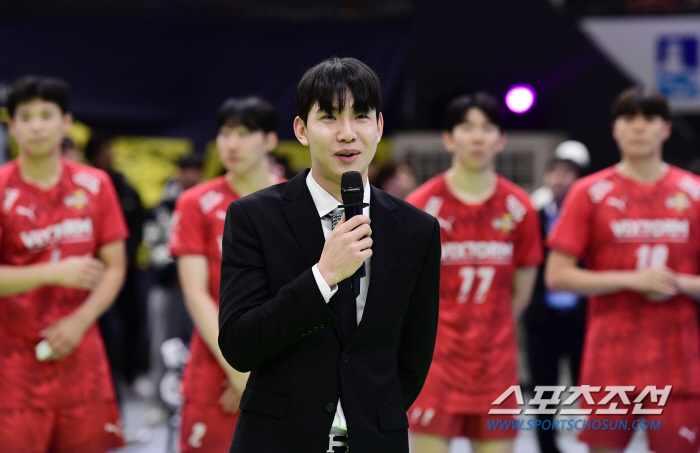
{"points": [[353, 192]]}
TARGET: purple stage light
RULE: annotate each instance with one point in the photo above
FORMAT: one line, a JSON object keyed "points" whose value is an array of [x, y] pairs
{"points": [[520, 98]]}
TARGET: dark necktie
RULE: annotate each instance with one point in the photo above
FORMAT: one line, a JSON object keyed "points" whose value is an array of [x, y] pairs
{"points": [[348, 289], [336, 215]]}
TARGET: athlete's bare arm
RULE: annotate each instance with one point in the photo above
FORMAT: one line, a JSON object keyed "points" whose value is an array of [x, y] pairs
{"points": [[65, 334], [193, 271], [562, 273], [72, 272], [523, 285], [689, 285]]}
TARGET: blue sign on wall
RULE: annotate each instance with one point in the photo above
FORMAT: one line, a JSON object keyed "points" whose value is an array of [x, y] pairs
{"points": [[677, 66]]}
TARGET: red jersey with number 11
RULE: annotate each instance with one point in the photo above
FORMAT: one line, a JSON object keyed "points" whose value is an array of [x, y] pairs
{"points": [[611, 222], [482, 247]]}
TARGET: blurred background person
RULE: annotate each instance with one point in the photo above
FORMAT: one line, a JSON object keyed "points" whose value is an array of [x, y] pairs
{"points": [[124, 325], [70, 150], [634, 225], [167, 315], [395, 178], [554, 320], [211, 387], [570, 150], [491, 246], [62, 263]]}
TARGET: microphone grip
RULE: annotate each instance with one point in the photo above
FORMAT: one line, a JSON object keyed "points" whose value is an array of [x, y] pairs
{"points": [[350, 212]]}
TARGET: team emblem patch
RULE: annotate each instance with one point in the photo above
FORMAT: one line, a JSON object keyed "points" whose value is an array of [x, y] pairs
{"points": [[679, 202], [504, 223], [78, 200]]}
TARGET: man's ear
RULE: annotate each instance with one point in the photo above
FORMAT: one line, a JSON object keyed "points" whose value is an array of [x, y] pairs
{"points": [[501, 143], [67, 121], [447, 141], [380, 125], [272, 140], [300, 131]]}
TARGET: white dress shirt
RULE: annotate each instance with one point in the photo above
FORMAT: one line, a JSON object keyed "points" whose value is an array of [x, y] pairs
{"points": [[325, 203]]}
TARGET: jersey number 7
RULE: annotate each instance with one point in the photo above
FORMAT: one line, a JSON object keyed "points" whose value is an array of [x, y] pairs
{"points": [[469, 275]]}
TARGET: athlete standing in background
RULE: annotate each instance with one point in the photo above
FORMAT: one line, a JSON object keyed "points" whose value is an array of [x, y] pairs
{"points": [[211, 388], [636, 227], [62, 263], [491, 248]]}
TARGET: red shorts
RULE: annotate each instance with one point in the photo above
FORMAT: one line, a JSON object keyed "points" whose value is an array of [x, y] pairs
{"points": [[475, 427], [84, 428], [676, 430], [206, 428]]}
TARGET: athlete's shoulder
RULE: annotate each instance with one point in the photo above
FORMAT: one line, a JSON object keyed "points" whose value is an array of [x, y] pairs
{"points": [[89, 178], [433, 186], [8, 169], [269, 196], [509, 189], [203, 187], [205, 196], [596, 185], [685, 181]]}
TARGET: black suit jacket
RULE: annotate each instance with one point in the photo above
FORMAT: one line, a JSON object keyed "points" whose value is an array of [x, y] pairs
{"points": [[274, 321]]}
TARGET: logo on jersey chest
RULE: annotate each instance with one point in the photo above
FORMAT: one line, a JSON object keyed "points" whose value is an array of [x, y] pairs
{"points": [[463, 252], [630, 230], [69, 230], [77, 200], [678, 202], [619, 203], [504, 223], [27, 211]]}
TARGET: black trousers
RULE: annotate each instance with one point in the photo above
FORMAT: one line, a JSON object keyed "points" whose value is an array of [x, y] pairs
{"points": [[555, 334]]}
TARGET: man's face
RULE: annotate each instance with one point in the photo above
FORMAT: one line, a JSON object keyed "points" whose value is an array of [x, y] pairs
{"points": [[189, 176], [559, 179], [640, 136], [339, 141], [39, 127], [475, 142], [241, 149]]}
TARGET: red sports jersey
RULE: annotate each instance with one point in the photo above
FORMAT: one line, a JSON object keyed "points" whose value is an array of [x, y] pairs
{"points": [[76, 217], [611, 222], [482, 246], [197, 229]]}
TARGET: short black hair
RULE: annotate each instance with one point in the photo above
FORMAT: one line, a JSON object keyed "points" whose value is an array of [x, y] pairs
{"points": [[457, 109], [192, 160], [332, 80], [28, 88], [253, 112], [640, 99], [95, 145]]}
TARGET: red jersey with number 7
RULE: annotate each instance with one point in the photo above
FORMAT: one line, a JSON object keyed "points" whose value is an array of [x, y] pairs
{"points": [[611, 222], [76, 217], [482, 247]]}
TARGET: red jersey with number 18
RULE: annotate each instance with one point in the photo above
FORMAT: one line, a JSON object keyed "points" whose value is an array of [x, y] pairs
{"points": [[76, 217], [482, 247], [611, 222]]}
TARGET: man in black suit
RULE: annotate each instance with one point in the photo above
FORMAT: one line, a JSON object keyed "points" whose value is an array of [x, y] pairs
{"points": [[329, 370]]}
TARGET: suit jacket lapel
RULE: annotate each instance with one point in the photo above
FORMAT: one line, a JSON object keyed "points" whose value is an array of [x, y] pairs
{"points": [[303, 219], [384, 227], [302, 216]]}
